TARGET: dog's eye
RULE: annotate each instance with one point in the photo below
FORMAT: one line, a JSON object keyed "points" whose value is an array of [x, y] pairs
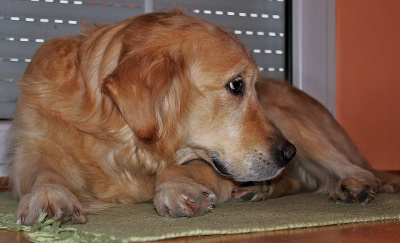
{"points": [[236, 85]]}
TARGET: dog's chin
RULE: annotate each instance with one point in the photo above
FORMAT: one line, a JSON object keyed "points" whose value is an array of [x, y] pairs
{"points": [[277, 173], [257, 176]]}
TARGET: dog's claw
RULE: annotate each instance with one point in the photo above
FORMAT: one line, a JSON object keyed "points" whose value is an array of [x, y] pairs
{"points": [[255, 191]]}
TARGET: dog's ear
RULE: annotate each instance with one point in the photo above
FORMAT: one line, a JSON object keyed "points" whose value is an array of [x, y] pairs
{"points": [[138, 87]]}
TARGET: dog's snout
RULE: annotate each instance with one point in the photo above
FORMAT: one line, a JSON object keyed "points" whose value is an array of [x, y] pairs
{"points": [[285, 152]]}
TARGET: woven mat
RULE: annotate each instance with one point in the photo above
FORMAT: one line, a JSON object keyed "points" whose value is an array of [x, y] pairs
{"points": [[140, 222]]}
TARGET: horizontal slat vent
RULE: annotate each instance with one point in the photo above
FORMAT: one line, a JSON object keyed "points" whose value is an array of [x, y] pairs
{"points": [[26, 24]]}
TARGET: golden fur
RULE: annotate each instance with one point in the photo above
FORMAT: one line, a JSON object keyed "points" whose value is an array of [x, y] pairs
{"points": [[164, 107]]}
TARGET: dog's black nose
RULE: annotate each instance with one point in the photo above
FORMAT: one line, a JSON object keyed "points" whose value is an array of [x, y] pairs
{"points": [[285, 152]]}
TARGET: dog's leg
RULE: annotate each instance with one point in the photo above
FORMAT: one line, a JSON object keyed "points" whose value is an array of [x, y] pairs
{"points": [[333, 158], [190, 190], [327, 160], [47, 195]]}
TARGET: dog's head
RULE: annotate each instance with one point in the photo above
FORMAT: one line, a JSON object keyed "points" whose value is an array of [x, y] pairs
{"points": [[184, 81]]}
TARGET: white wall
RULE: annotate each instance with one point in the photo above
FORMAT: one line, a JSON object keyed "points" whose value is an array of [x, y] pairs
{"points": [[4, 169], [314, 61]]}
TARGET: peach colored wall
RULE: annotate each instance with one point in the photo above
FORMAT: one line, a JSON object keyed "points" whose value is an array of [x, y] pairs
{"points": [[368, 77]]}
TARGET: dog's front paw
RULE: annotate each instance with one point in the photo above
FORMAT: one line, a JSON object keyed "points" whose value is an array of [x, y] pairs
{"points": [[55, 200], [351, 190], [183, 198], [252, 191]]}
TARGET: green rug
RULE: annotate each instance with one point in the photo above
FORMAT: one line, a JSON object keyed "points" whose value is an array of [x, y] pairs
{"points": [[141, 223]]}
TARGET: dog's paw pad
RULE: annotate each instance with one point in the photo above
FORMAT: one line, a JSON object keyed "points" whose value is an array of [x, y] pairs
{"points": [[362, 196], [351, 190]]}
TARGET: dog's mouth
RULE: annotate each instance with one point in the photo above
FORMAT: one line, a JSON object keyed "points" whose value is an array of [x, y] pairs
{"points": [[219, 165]]}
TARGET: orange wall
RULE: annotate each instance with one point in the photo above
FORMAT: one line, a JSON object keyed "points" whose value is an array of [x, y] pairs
{"points": [[368, 77]]}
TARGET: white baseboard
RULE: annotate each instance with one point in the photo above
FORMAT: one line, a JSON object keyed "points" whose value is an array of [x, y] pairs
{"points": [[4, 168]]}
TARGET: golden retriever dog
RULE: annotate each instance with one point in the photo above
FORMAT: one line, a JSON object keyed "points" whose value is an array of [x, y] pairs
{"points": [[164, 107]]}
